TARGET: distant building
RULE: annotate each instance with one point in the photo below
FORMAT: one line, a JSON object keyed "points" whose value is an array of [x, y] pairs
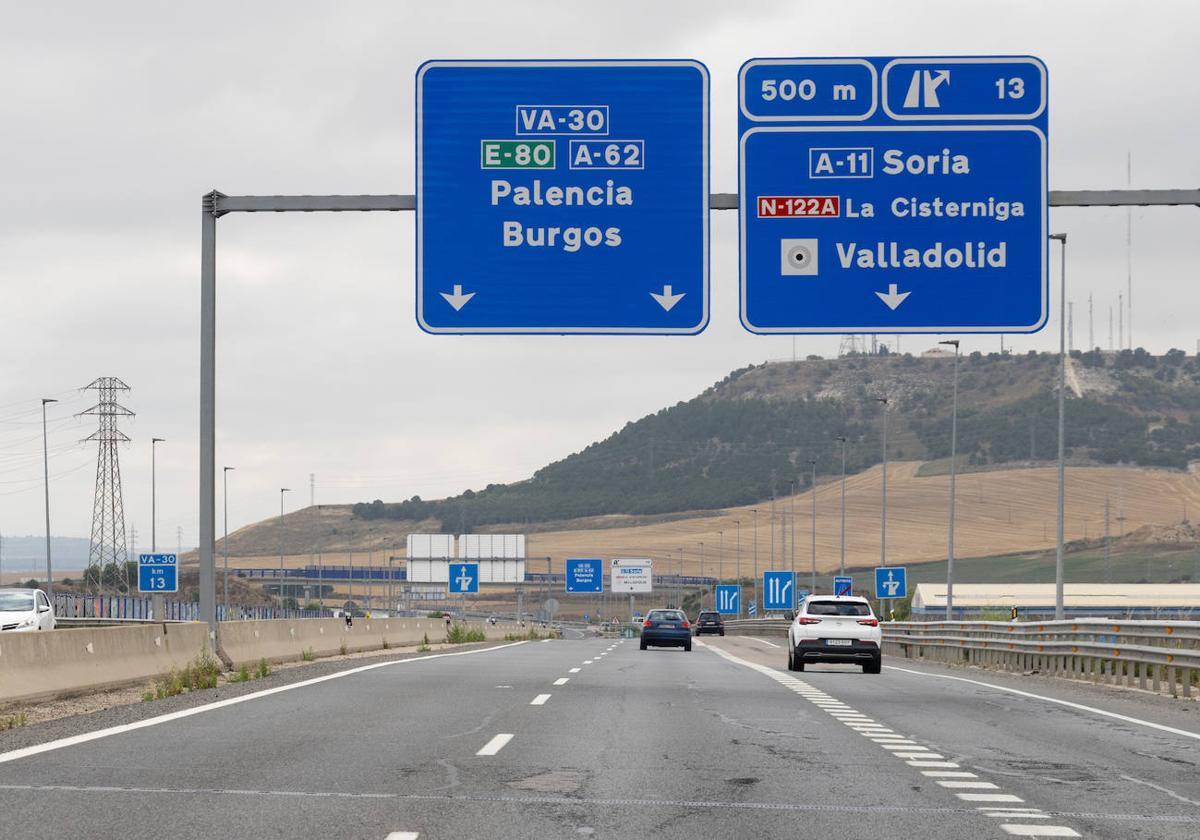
{"points": [[1036, 600]]}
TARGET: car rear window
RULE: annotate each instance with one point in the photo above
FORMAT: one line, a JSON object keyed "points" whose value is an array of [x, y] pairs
{"points": [[665, 615], [709, 614], [851, 608]]}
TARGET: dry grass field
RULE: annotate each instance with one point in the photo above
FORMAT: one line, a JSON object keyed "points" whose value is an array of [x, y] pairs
{"points": [[999, 511]]}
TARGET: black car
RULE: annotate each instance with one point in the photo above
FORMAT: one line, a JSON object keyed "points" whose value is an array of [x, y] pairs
{"points": [[666, 628], [709, 621]]}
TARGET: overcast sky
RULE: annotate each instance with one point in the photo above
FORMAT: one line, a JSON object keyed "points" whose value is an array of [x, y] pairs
{"points": [[117, 117]]}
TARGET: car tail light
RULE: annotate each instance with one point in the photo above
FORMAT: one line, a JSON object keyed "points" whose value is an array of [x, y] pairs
{"points": [[648, 623], [806, 620], [870, 622], [685, 625]]}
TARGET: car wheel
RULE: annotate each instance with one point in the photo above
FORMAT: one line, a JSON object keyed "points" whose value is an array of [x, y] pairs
{"points": [[791, 659], [875, 666], [687, 648]]}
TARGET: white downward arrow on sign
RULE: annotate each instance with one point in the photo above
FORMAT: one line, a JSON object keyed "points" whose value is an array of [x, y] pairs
{"points": [[667, 300], [893, 298], [458, 300]]}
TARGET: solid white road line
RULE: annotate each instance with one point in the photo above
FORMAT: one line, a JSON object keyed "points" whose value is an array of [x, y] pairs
{"points": [[989, 797], [496, 744], [561, 681], [540, 700], [1160, 727], [1039, 830], [49, 746], [765, 642]]}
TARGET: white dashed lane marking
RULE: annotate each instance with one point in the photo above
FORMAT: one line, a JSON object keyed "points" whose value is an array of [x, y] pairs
{"points": [[540, 700], [573, 671], [947, 775], [402, 835], [496, 744], [561, 681]]}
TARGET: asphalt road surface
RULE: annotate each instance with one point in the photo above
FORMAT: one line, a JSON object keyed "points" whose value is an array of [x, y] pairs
{"points": [[594, 738]]}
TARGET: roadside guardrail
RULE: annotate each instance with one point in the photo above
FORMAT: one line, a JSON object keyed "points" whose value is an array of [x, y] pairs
{"points": [[1160, 656]]}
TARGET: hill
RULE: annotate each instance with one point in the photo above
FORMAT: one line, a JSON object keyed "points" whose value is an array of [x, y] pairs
{"points": [[753, 434]]}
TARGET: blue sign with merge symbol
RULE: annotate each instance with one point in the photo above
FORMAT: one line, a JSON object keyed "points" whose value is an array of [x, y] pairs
{"points": [[463, 578], [585, 575], [898, 195], [562, 197], [158, 573], [779, 590], [728, 599]]}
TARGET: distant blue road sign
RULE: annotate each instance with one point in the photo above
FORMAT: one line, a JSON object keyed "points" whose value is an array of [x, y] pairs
{"points": [[562, 197], [843, 585], [585, 616], [585, 574], [891, 582], [464, 578], [752, 609], [779, 590], [728, 598], [158, 573], [893, 195]]}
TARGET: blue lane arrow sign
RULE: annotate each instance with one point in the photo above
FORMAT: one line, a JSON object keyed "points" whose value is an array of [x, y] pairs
{"points": [[779, 590], [727, 599], [464, 578], [562, 197], [891, 582]]}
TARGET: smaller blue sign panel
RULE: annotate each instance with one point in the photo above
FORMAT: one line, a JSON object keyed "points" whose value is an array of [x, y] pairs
{"points": [[728, 599], [158, 573], [779, 590], [464, 578], [891, 582], [843, 585], [752, 609], [585, 574]]}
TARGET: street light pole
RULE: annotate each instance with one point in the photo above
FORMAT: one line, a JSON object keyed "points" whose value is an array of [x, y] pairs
{"points": [[702, 574], [46, 480], [842, 440], [738, 563], [754, 528], [225, 542], [883, 508], [154, 442], [813, 586], [1059, 612], [953, 476], [283, 490]]}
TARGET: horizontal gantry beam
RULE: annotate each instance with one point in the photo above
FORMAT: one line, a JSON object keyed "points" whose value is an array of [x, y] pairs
{"points": [[222, 204]]}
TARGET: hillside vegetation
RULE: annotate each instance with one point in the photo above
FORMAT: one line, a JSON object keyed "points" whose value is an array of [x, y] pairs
{"points": [[752, 435]]}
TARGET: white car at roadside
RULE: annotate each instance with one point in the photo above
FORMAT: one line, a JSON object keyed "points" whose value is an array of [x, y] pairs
{"points": [[835, 628], [24, 610]]}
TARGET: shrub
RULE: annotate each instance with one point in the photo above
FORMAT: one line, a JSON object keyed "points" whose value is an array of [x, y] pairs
{"points": [[461, 634], [342, 649], [308, 654], [264, 669]]}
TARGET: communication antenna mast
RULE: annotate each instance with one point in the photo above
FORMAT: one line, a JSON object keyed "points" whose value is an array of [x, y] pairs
{"points": [[108, 546]]}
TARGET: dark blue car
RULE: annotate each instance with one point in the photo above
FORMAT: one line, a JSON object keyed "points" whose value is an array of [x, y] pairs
{"points": [[666, 628]]}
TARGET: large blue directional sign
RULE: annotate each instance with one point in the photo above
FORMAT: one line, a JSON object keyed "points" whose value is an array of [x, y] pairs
{"points": [[158, 573], [562, 197], [728, 599], [843, 585], [585, 574], [464, 578], [891, 582], [893, 195], [779, 590]]}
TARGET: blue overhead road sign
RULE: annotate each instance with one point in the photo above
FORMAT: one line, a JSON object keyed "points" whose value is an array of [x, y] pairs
{"points": [[728, 597], [158, 573], [562, 197], [585, 575], [779, 590], [891, 582], [464, 578], [893, 195], [843, 585]]}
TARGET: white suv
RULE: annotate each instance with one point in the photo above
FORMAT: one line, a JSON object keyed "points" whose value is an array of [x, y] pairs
{"points": [[835, 628]]}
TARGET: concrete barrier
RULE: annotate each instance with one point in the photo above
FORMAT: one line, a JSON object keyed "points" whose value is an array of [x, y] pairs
{"points": [[283, 640], [59, 663]]}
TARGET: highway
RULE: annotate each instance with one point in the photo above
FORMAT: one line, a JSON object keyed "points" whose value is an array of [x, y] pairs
{"points": [[594, 738]]}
